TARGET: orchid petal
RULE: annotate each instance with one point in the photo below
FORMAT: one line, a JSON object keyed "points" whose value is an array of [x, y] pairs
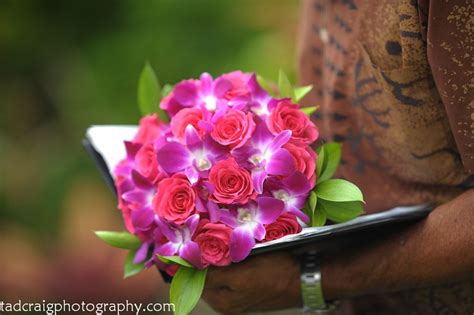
{"points": [[206, 83], [258, 178], [261, 136], [137, 196], [300, 214], [281, 163], [192, 175], [170, 233], [141, 253], [228, 218], [200, 207], [221, 86], [214, 211], [191, 253], [142, 219], [132, 148], [280, 139], [185, 93], [192, 137], [141, 181], [167, 249], [174, 157], [269, 209], [259, 232], [297, 183], [191, 224], [241, 243]]}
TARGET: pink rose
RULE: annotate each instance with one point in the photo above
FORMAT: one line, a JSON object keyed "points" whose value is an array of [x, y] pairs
{"points": [[213, 240], [174, 199], [232, 184], [288, 116], [185, 117], [239, 84], [233, 128], [146, 162], [149, 129], [305, 160], [285, 224]]}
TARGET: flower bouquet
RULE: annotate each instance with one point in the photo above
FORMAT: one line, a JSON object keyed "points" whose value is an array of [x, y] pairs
{"points": [[217, 166]]}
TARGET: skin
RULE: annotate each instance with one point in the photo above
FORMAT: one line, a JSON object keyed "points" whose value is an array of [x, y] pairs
{"points": [[434, 251]]}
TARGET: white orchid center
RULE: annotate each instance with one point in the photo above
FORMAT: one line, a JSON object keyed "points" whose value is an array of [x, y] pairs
{"points": [[282, 195], [244, 215], [211, 103]]}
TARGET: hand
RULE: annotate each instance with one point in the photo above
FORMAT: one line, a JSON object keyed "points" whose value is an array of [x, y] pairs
{"points": [[261, 283]]}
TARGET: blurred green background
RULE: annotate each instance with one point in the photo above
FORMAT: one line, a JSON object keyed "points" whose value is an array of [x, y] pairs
{"points": [[65, 65]]}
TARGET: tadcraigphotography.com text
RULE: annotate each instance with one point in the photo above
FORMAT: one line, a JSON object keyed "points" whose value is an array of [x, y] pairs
{"points": [[53, 308]]}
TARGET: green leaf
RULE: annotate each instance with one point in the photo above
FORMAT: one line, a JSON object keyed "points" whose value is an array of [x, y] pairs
{"points": [[341, 211], [338, 190], [301, 92], [265, 84], [167, 88], [123, 240], [174, 260], [321, 161], [186, 289], [309, 110], [312, 201], [284, 86], [131, 269], [149, 93], [332, 155], [319, 217]]}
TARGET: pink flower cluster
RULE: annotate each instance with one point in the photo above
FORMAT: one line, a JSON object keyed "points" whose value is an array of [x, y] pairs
{"points": [[233, 167]]}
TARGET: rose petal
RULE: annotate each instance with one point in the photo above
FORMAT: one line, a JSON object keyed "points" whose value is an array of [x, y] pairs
{"points": [[241, 243]]}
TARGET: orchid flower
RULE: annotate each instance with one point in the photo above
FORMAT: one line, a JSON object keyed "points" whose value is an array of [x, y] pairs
{"points": [[265, 154], [179, 240], [206, 93], [293, 191], [195, 158], [260, 98], [247, 222]]}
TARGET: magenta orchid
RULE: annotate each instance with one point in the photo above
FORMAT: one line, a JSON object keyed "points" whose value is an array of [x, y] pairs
{"points": [[179, 240], [248, 222], [195, 158], [265, 155]]}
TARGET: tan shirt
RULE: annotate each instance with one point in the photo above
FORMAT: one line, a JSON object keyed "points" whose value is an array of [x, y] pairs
{"points": [[395, 83]]}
